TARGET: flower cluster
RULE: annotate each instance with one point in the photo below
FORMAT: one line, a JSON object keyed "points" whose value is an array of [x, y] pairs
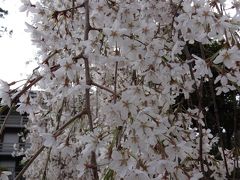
{"points": [[118, 78]]}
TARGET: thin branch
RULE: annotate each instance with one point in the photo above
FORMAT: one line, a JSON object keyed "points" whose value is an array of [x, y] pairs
{"points": [[87, 94], [70, 9], [104, 88], [55, 134], [45, 61], [28, 86], [115, 82], [58, 118], [87, 20], [216, 112], [18, 177], [79, 115], [97, 102], [119, 128], [199, 95], [96, 29], [236, 145], [73, 8], [59, 114], [125, 35], [87, 91], [175, 13], [46, 164], [31, 83]]}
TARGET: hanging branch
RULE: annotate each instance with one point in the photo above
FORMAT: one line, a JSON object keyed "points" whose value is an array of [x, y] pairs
{"points": [[46, 164], [216, 112], [87, 91], [119, 128], [199, 95], [73, 9], [58, 119], [236, 145], [55, 134], [200, 98], [97, 102], [29, 162], [115, 82]]}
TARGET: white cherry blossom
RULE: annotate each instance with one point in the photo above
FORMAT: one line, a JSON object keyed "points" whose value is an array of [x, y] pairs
{"points": [[121, 85]]}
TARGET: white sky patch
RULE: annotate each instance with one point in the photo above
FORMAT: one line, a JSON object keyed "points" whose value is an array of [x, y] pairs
{"points": [[17, 50]]}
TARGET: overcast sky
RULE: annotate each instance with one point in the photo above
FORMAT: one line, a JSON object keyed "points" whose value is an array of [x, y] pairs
{"points": [[15, 51]]}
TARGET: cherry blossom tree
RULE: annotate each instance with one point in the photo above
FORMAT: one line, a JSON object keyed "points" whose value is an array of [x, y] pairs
{"points": [[117, 80]]}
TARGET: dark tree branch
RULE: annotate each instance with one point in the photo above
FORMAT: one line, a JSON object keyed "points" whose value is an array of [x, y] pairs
{"points": [[199, 96], [104, 88], [216, 113], [87, 91], [115, 82]]}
